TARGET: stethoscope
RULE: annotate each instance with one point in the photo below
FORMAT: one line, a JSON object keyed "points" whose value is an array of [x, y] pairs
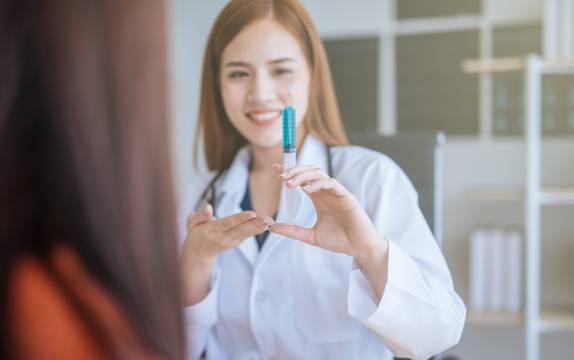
{"points": [[210, 191]]}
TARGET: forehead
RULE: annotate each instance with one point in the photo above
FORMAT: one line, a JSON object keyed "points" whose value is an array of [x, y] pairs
{"points": [[261, 42]]}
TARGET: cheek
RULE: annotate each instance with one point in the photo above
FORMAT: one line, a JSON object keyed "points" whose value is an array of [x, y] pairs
{"points": [[302, 101], [232, 96]]}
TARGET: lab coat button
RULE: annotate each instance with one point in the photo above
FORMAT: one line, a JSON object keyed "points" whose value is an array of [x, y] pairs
{"points": [[261, 296]]}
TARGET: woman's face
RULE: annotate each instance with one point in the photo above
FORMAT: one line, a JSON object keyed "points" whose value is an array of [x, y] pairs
{"points": [[259, 68]]}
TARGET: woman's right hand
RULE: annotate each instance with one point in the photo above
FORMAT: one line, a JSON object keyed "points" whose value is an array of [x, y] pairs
{"points": [[206, 238]]}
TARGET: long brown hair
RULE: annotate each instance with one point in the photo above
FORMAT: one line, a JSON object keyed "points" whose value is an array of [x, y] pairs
{"points": [[85, 155], [221, 140]]}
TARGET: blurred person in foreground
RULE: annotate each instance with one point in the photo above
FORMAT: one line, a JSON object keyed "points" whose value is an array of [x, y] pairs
{"points": [[88, 252]]}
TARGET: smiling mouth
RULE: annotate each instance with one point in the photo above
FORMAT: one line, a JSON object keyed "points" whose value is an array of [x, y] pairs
{"points": [[264, 118]]}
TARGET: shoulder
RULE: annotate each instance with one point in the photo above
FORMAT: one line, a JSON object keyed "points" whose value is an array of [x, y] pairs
{"points": [[365, 171], [193, 196], [41, 295], [194, 190], [201, 181], [37, 300], [360, 160]]}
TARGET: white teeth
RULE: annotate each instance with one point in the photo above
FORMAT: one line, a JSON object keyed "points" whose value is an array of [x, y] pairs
{"points": [[264, 116]]}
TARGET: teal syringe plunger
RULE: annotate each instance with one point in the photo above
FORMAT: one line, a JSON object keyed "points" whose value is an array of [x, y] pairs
{"points": [[289, 156]]}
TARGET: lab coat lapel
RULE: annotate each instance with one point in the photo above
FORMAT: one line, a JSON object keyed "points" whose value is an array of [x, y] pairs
{"points": [[312, 153], [231, 192]]}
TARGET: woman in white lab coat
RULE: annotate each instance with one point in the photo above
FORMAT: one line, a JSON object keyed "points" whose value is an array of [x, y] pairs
{"points": [[359, 276]]}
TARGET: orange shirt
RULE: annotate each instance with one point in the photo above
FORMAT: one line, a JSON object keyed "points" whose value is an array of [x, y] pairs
{"points": [[46, 325]]}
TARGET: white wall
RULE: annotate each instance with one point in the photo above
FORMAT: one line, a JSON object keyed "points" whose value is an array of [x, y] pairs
{"points": [[340, 17], [468, 161], [190, 22]]}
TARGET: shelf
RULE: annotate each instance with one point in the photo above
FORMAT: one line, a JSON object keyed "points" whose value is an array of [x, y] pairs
{"points": [[557, 196], [556, 320], [488, 66], [550, 320], [507, 64], [550, 196], [494, 319], [495, 194]]}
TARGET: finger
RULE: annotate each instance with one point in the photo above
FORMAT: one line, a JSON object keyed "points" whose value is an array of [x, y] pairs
{"points": [[329, 184], [200, 216], [268, 219], [259, 219], [277, 167], [306, 176], [296, 170], [231, 221], [248, 229], [294, 232]]}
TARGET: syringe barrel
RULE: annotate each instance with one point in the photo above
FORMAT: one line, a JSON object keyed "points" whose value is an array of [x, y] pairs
{"points": [[289, 130]]}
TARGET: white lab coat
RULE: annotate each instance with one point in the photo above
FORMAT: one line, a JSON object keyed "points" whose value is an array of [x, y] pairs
{"points": [[296, 301]]}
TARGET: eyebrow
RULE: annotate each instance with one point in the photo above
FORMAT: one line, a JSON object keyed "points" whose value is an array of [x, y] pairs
{"points": [[286, 59], [272, 62]]}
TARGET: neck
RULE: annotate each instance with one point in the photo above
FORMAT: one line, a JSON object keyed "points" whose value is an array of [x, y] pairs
{"points": [[263, 157]]}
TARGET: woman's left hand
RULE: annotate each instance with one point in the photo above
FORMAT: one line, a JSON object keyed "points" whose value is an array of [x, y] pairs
{"points": [[342, 225]]}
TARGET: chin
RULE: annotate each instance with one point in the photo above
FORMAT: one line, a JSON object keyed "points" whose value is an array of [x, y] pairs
{"points": [[265, 143]]}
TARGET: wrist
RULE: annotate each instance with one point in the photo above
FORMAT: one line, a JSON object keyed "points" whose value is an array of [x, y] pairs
{"points": [[196, 277], [373, 263], [376, 249], [197, 262]]}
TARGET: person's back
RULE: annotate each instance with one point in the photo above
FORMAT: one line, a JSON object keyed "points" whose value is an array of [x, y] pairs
{"points": [[88, 251]]}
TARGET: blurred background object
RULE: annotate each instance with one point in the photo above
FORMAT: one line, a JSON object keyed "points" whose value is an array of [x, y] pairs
{"points": [[402, 66], [88, 249]]}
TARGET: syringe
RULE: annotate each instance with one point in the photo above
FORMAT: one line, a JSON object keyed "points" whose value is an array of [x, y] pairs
{"points": [[289, 156]]}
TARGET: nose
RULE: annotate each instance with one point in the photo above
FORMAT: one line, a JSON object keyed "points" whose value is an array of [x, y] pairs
{"points": [[263, 89]]}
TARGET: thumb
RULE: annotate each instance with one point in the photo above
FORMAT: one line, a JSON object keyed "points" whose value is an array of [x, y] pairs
{"points": [[278, 168], [200, 216]]}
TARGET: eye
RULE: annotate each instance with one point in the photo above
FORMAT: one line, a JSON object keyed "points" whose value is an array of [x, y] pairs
{"points": [[238, 74], [283, 71]]}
